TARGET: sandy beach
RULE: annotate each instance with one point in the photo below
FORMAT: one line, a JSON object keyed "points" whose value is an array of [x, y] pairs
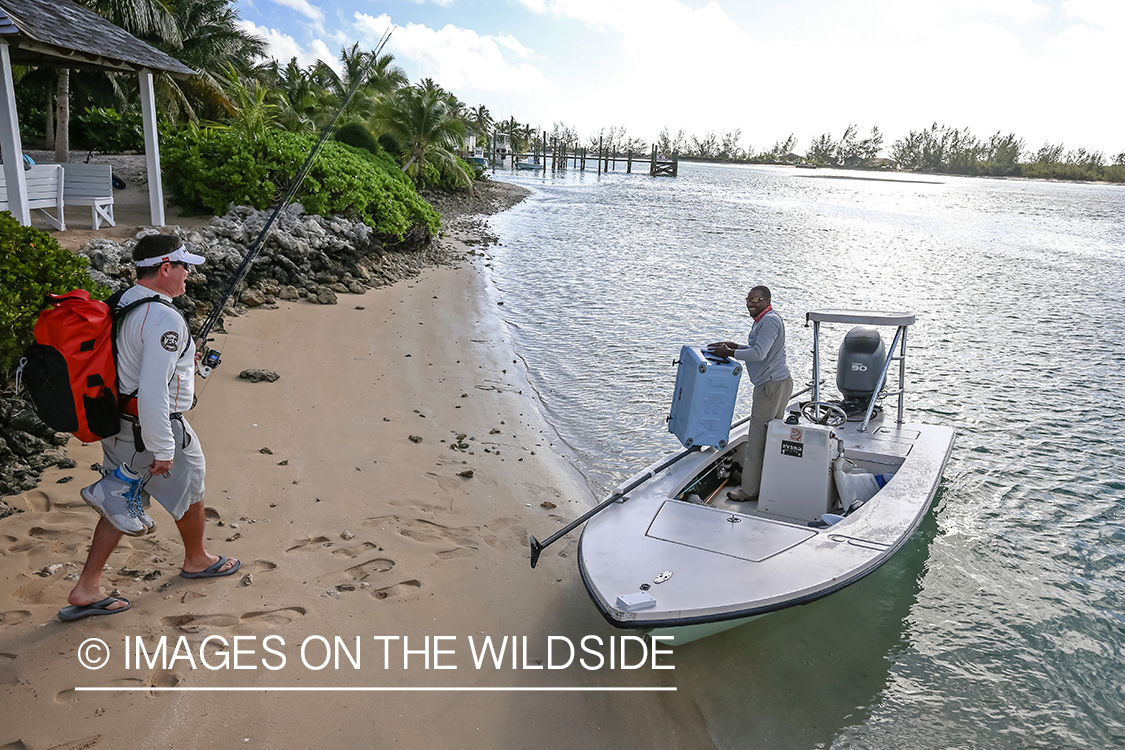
{"points": [[379, 494]]}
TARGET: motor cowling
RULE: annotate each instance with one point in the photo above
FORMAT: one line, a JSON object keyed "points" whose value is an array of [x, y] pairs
{"points": [[860, 363]]}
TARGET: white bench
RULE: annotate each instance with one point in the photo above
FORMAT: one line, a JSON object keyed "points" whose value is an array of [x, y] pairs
{"points": [[44, 190], [90, 185]]}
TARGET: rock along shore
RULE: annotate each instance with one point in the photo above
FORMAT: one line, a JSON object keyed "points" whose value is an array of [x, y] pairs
{"points": [[309, 257]]}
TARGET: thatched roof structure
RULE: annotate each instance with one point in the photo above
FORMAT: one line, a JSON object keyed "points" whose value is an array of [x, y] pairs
{"points": [[63, 34]]}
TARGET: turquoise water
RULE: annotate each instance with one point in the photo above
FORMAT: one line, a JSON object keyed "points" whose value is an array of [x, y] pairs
{"points": [[1002, 623]]}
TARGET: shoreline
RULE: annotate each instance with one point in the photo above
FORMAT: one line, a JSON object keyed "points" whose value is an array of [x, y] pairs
{"points": [[347, 528]]}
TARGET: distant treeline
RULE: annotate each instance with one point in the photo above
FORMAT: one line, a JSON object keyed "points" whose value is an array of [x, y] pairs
{"points": [[939, 149]]}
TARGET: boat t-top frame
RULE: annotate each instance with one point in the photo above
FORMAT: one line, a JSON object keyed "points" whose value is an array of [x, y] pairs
{"points": [[901, 320]]}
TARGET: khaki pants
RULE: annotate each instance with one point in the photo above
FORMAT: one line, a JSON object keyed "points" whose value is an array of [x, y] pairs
{"points": [[769, 403]]}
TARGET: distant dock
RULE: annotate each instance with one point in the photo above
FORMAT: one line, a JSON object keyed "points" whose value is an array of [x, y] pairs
{"points": [[558, 156]]}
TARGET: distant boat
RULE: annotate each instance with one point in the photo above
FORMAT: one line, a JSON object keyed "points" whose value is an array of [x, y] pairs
{"points": [[805, 166], [525, 164]]}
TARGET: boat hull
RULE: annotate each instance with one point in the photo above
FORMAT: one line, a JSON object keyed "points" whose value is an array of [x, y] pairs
{"points": [[659, 563]]}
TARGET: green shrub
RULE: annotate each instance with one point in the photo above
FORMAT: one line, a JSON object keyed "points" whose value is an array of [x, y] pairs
{"points": [[109, 131], [207, 171], [354, 134], [444, 177], [32, 265], [390, 144]]}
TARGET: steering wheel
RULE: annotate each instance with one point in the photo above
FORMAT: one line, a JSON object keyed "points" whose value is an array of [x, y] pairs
{"points": [[822, 412]]}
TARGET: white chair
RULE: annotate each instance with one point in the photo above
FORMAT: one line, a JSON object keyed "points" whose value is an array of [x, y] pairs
{"points": [[44, 190], [90, 185]]}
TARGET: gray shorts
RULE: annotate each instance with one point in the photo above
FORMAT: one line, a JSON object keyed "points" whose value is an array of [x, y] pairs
{"points": [[179, 488]]}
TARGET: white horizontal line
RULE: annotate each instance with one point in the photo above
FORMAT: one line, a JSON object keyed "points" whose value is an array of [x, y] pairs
{"points": [[376, 689]]}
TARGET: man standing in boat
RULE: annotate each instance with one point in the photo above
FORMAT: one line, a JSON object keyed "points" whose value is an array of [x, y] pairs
{"points": [[764, 361]]}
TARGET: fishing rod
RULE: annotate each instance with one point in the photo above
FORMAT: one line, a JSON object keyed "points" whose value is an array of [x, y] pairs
{"points": [[212, 358], [537, 546]]}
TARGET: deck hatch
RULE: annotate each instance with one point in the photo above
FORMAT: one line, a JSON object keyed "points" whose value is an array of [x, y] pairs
{"points": [[702, 527]]}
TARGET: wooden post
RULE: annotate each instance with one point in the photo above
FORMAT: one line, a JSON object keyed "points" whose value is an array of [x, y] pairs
{"points": [[629, 169], [652, 164], [675, 163], [599, 156]]}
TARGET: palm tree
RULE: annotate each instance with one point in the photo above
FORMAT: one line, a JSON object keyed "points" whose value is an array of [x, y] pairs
{"points": [[480, 119], [377, 77], [299, 97], [419, 119], [253, 114], [210, 40]]}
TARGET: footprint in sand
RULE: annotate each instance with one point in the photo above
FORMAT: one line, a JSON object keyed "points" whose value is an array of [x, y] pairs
{"points": [[14, 616], [399, 589], [163, 679], [311, 543], [190, 623], [7, 677], [74, 696], [40, 532], [356, 550], [363, 570], [259, 566], [274, 618], [453, 554], [379, 522], [447, 484], [428, 532], [37, 501], [211, 514], [25, 546]]}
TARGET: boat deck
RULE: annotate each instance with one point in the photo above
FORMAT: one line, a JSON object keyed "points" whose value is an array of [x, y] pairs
{"points": [[690, 562]]}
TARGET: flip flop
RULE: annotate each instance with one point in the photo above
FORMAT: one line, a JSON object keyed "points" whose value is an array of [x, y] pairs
{"points": [[78, 611], [213, 571]]}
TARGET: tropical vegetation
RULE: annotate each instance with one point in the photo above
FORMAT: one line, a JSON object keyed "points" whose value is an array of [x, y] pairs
{"points": [[421, 127]]}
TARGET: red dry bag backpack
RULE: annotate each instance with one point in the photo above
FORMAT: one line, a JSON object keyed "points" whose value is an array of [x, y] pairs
{"points": [[69, 370]]}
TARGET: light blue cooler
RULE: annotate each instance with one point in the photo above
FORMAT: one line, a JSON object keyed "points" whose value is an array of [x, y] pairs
{"points": [[703, 403]]}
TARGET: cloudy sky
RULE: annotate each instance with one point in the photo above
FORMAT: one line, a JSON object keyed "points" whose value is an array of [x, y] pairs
{"points": [[1047, 70]]}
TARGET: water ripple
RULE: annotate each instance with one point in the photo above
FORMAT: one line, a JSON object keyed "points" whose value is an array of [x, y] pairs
{"points": [[1014, 633]]}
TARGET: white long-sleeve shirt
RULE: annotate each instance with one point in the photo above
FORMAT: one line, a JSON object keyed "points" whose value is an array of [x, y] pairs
{"points": [[156, 358]]}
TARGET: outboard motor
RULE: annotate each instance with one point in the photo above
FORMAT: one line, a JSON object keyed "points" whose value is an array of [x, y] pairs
{"points": [[860, 363]]}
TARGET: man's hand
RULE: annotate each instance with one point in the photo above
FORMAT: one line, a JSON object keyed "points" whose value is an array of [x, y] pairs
{"points": [[722, 348], [157, 467]]}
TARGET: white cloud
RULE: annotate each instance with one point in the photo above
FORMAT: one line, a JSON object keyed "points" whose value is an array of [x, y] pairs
{"points": [[1021, 11], [1109, 14], [458, 58], [305, 8], [513, 44], [282, 47]]}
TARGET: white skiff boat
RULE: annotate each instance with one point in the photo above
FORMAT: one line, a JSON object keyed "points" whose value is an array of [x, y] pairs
{"points": [[671, 555]]}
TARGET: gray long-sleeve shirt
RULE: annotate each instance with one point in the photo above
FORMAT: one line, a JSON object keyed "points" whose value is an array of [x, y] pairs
{"points": [[764, 356]]}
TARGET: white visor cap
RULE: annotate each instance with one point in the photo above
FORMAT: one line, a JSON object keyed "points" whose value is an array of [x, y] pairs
{"points": [[179, 255]]}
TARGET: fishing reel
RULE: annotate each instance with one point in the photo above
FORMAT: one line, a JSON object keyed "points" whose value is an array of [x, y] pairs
{"points": [[210, 359]]}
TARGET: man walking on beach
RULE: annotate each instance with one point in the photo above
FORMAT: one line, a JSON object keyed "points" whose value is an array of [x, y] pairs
{"points": [[764, 359], [156, 364]]}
